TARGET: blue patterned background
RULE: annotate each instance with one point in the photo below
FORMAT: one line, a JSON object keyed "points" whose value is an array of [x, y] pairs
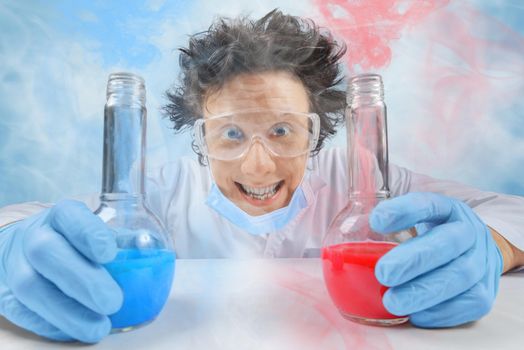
{"points": [[454, 85]]}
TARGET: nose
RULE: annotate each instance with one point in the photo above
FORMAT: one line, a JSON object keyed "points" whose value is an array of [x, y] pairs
{"points": [[257, 162]]}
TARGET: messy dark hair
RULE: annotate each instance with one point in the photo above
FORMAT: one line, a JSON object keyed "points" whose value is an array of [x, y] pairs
{"points": [[276, 42]]}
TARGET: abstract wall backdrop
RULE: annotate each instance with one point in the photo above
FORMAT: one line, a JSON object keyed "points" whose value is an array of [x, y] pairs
{"points": [[453, 70]]}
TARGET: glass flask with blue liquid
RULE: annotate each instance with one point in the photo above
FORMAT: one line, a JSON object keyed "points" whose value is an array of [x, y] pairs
{"points": [[145, 263]]}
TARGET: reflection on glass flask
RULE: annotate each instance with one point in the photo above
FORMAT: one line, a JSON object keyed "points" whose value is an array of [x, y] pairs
{"points": [[351, 249], [144, 266]]}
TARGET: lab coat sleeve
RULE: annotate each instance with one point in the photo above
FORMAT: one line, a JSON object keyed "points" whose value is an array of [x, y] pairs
{"points": [[504, 213], [16, 212]]}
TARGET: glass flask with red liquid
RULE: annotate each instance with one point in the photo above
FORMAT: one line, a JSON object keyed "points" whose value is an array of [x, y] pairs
{"points": [[351, 249]]}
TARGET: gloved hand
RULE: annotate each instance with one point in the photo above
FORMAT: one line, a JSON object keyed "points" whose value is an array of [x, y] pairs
{"points": [[449, 273], [51, 280]]}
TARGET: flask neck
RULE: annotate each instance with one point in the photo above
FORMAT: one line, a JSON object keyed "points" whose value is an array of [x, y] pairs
{"points": [[367, 145], [124, 139]]}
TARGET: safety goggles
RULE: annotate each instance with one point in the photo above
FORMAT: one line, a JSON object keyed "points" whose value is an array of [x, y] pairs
{"points": [[229, 136]]}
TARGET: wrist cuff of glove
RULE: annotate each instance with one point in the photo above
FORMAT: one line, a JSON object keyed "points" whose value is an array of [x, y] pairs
{"points": [[6, 226]]}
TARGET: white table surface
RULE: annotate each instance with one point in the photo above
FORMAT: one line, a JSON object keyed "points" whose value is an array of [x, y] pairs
{"points": [[283, 304]]}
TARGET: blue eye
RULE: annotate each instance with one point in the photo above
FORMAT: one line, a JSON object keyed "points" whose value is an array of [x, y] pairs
{"points": [[233, 133], [281, 130]]}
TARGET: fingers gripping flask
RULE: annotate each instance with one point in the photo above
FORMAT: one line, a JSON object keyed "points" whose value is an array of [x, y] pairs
{"points": [[351, 249], [144, 266]]}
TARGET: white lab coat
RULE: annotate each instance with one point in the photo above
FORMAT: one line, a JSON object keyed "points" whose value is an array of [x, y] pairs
{"points": [[177, 191]]}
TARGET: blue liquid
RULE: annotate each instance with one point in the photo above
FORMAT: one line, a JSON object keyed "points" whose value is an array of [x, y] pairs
{"points": [[145, 277]]}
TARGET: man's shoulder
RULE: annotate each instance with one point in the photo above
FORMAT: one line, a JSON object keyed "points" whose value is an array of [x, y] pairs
{"points": [[185, 169], [329, 159], [331, 164], [174, 167]]}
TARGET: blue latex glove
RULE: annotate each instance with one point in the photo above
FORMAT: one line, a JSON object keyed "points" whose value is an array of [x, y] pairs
{"points": [[449, 273], [51, 280]]}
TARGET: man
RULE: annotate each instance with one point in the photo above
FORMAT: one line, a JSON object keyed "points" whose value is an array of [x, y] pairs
{"points": [[261, 98]]}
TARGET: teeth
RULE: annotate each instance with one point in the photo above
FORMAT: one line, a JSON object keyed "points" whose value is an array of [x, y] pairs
{"points": [[260, 193]]}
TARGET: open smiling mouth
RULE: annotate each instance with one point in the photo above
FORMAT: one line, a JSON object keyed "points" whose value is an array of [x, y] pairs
{"points": [[260, 193]]}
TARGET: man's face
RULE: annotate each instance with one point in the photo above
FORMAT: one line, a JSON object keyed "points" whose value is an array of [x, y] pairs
{"points": [[259, 171]]}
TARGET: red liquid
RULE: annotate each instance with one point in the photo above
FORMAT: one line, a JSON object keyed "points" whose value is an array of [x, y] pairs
{"points": [[349, 273]]}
